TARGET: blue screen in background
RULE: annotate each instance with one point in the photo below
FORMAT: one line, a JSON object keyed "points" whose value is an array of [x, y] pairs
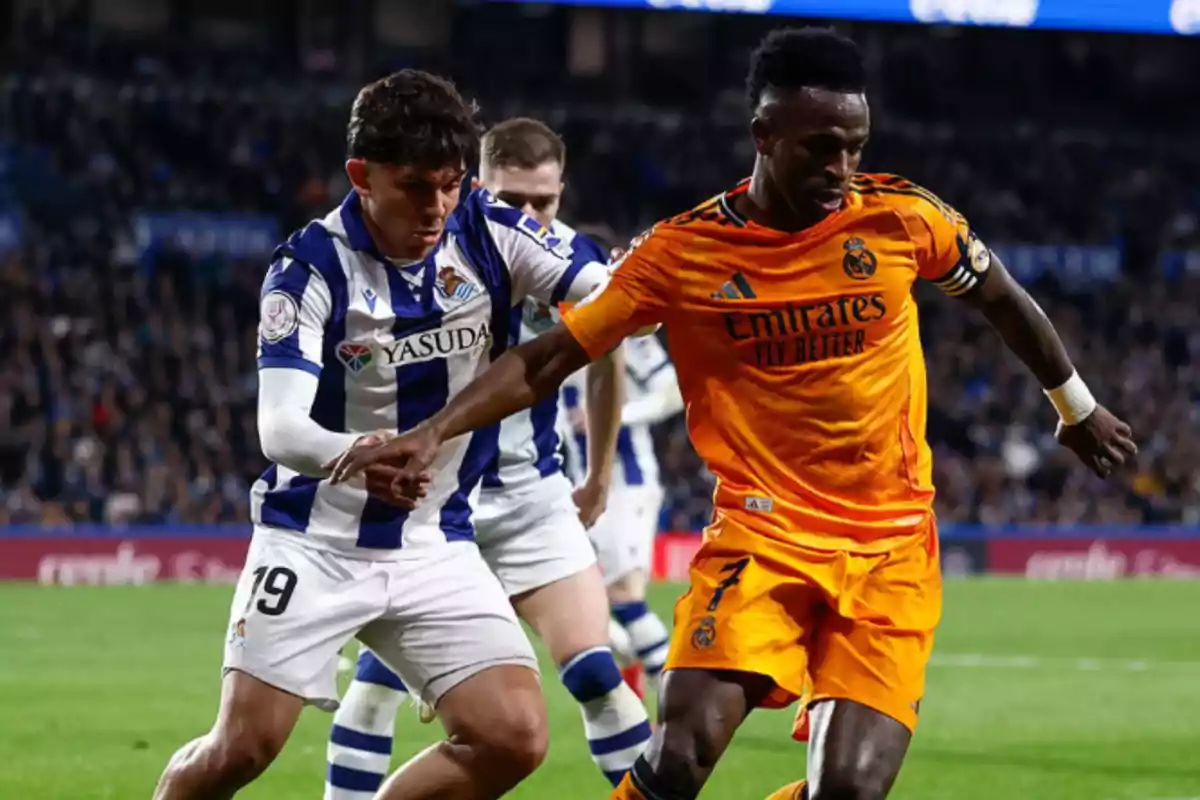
{"points": [[1142, 16]]}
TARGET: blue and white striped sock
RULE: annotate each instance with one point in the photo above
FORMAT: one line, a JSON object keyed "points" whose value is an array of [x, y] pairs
{"points": [[648, 635], [614, 719], [360, 742]]}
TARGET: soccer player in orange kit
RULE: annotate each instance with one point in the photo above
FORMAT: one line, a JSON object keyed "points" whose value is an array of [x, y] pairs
{"points": [[789, 312]]}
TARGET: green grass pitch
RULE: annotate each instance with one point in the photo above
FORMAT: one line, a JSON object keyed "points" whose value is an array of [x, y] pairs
{"points": [[1046, 691]]}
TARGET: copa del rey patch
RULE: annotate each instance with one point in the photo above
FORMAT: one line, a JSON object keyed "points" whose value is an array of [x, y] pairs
{"points": [[279, 316]]}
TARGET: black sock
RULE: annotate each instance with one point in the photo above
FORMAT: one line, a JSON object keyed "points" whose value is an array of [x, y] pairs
{"points": [[655, 787]]}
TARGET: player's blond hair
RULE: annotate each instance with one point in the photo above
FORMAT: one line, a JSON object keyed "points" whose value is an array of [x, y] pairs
{"points": [[522, 142]]}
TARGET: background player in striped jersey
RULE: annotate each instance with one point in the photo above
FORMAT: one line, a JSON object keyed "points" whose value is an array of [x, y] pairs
{"points": [[530, 530], [806, 393], [624, 534], [372, 318]]}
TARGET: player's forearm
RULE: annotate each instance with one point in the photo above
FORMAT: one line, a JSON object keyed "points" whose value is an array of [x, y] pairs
{"points": [[515, 381], [604, 400], [286, 431], [1023, 327]]}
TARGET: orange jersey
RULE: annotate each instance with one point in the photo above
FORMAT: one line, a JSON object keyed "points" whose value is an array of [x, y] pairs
{"points": [[799, 356]]}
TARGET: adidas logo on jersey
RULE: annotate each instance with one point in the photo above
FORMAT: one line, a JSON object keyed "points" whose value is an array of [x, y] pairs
{"points": [[737, 287]]}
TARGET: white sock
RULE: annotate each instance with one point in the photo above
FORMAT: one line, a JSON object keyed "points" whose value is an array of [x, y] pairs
{"points": [[648, 636], [614, 719], [622, 647], [360, 741]]}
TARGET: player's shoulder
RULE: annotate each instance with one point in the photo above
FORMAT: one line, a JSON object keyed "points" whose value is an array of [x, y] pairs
{"points": [[685, 237], [576, 242], [711, 218], [310, 255], [480, 208], [873, 190]]}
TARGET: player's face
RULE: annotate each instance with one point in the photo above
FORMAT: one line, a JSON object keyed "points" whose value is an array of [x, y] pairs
{"points": [[811, 142], [406, 206], [536, 191]]}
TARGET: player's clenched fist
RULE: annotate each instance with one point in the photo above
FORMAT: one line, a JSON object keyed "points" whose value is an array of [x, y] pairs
{"points": [[1101, 440]]}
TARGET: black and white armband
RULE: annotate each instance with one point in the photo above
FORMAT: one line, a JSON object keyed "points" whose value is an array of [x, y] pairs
{"points": [[969, 272]]}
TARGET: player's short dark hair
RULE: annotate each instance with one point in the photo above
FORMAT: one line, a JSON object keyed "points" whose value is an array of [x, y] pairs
{"points": [[800, 58], [413, 117], [524, 143]]}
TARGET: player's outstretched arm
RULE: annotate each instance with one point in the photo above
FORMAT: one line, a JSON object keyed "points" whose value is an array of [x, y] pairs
{"points": [[1100, 439], [516, 380], [605, 398]]}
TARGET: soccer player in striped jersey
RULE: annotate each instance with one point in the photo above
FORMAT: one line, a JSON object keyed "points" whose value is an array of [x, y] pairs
{"points": [[372, 318], [624, 534], [530, 527]]}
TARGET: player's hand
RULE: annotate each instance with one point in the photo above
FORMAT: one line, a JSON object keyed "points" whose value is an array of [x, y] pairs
{"points": [[1101, 441], [591, 498], [388, 484], [395, 467]]}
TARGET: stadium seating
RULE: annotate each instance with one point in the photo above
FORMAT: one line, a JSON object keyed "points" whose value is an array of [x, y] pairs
{"points": [[129, 392]]}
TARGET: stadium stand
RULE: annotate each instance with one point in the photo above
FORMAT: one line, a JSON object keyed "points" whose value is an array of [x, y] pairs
{"points": [[127, 389]]}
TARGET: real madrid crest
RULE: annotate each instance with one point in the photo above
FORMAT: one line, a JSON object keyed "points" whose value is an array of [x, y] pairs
{"points": [[859, 262], [704, 635]]}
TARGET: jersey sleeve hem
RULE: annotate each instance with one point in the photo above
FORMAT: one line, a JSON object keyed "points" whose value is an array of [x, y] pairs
{"points": [[559, 294], [289, 362], [594, 348]]}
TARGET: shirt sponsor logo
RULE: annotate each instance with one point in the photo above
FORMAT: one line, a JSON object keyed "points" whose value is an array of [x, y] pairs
{"points": [[417, 348]]}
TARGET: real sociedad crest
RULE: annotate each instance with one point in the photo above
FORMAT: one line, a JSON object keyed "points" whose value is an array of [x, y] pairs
{"points": [[452, 286]]}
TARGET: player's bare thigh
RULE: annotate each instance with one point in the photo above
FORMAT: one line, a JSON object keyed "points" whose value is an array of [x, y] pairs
{"points": [[497, 736], [854, 751], [255, 713], [253, 724], [569, 615], [699, 710]]}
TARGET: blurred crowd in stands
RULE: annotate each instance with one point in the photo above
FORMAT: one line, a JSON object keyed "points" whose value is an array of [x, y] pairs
{"points": [[127, 384]]}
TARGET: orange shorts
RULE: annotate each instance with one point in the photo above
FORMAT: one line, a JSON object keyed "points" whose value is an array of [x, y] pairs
{"points": [[822, 624]]}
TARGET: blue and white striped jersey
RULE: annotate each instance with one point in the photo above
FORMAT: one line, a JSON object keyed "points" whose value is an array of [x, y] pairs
{"points": [[530, 446], [390, 346], [651, 396]]}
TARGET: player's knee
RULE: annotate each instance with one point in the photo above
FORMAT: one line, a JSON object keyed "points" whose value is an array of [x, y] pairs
{"points": [[688, 751], [507, 742], [518, 741], [241, 757]]}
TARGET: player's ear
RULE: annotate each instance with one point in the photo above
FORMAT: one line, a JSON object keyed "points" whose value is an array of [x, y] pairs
{"points": [[763, 136], [356, 171], [475, 184]]}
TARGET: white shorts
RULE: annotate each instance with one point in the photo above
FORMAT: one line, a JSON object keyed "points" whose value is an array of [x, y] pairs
{"points": [[435, 618], [532, 537], [624, 534]]}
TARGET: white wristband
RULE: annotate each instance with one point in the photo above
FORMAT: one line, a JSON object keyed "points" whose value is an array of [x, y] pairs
{"points": [[1072, 400]]}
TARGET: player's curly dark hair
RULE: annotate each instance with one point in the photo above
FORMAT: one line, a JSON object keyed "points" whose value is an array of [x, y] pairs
{"points": [[796, 58], [413, 117]]}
